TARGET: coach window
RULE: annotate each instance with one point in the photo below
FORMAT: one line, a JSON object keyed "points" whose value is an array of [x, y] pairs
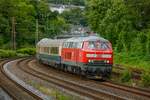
{"points": [[54, 50], [40, 49], [44, 49], [49, 50]]}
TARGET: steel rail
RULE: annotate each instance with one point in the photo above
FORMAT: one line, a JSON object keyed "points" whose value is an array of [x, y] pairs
{"points": [[23, 89]]}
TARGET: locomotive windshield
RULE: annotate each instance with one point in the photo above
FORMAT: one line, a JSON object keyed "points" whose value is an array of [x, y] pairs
{"points": [[98, 45]]}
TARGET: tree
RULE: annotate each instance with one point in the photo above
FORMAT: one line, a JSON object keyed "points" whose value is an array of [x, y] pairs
{"points": [[120, 21], [74, 16]]}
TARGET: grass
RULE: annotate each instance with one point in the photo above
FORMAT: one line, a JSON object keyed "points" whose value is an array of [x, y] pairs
{"points": [[52, 92], [126, 76], [133, 62]]}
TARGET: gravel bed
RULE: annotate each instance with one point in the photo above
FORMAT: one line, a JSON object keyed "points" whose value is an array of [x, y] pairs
{"points": [[21, 82], [4, 95]]}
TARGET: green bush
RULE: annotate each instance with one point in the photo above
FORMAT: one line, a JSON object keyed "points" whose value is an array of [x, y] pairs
{"points": [[145, 79], [27, 51], [126, 76], [20, 52], [7, 53]]}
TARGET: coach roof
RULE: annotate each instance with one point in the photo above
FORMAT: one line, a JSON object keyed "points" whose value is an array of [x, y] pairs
{"points": [[50, 42]]}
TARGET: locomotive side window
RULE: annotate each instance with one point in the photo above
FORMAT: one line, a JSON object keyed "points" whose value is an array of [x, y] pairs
{"points": [[70, 44], [79, 45], [67, 45], [74, 45], [64, 45]]}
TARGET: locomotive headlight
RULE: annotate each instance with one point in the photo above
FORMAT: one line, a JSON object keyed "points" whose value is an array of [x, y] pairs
{"points": [[106, 55], [91, 55], [107, 61], [91, 61]]}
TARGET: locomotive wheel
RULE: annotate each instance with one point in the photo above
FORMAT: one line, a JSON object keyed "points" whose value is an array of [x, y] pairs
{"points": [[73, 70], [65, 68], [78, 71]]}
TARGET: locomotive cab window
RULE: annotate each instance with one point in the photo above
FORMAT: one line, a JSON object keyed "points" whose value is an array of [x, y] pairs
{"points": [[98, 45]]}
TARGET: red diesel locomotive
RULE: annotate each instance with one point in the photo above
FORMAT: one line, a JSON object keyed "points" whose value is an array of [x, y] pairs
{"points": [[91, 56]]}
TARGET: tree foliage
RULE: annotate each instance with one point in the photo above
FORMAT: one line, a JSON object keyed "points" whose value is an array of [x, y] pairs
{"points": [[75, 16], [26, 12], [73, 2], [125, 22]]}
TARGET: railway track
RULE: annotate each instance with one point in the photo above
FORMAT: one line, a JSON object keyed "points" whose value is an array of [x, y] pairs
{"points": [[136, 74], [12, 88], [71, 86], [138, 91], [85, 90]]}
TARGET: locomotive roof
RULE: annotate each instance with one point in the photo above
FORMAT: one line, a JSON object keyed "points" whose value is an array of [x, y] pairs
{"points": [[88, 38], [50, 42]]}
